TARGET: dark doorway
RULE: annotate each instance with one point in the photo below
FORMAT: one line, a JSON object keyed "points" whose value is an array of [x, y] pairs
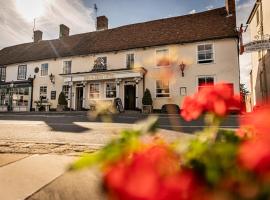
{"points": [[79, 98], [130, 97]]}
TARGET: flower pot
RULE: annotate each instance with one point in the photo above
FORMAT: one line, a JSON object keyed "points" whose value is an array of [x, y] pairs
{"points": [[147, 109]]}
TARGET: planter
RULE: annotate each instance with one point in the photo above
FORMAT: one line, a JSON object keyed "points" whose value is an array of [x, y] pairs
{"points": [[147, 109]]}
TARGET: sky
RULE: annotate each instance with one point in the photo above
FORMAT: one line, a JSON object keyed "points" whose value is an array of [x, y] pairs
{"points": [[17, 17]]}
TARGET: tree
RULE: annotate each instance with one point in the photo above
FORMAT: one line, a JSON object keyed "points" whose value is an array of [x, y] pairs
{"points": [[62, 99], [147, 98]]}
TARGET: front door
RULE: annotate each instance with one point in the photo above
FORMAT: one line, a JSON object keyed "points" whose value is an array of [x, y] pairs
{"points": [[79, 98], [130, 97]]}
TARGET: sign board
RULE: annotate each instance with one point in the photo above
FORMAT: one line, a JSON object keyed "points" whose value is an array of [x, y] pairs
{"points": [[118, 104], [53, 95], [257, 46], [100, 77]]}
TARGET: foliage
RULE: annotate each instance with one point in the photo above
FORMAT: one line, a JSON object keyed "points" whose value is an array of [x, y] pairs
{"points": [[147, 98], [62, 99], [214, 164]]}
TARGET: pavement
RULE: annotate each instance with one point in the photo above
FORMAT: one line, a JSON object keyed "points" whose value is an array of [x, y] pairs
{"points": [[37, 148]]}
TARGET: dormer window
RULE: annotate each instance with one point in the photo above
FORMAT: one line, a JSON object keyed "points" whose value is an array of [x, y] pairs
{"points": [[2, 74]]}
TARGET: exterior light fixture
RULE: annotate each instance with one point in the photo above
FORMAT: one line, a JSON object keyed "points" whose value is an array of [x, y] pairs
{"points": [[52, 78], [182, 68]]}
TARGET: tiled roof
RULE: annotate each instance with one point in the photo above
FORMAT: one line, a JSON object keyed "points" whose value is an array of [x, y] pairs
{"points": [[213, 24]]}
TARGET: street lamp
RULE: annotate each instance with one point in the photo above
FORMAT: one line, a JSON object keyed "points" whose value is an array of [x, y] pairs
{"points": [[52, 78], [182, 68]]}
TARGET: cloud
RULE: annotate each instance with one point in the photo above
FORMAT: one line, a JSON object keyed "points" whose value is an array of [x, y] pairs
{"points": [[15, 29], [192, 11], [210, 7]]}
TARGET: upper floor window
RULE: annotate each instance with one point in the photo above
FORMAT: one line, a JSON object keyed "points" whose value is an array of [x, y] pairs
{"points": [[130, 61], [67, 67], [22, 70], [205, 53], [43, 92], [2, 74], [44, 69], [163, 58], [162, 88], [205, 81], [94, 91], [110, 90]]}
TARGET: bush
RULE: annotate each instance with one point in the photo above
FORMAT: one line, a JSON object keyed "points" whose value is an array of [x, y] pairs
{"points": [[147, 98], [62, 99]]}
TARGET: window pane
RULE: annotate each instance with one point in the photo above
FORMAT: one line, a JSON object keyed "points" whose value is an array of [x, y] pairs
{"points": [[110, 90], [200, 47], [162, 89]]}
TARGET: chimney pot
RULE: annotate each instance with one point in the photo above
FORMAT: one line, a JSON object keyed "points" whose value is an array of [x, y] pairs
{"points": [[37, 36], [64, 31], [230, 7], [102, 23]]}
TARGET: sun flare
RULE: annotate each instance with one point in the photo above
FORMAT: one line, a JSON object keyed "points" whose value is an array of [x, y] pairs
{"points": [[30, 9]]}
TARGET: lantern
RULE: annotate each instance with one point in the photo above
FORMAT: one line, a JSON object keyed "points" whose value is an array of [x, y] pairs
{"points": [[182, 68]]}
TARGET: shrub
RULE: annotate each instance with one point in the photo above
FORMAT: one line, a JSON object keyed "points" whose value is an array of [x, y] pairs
{"points": [[62, 99], [147, 98]]}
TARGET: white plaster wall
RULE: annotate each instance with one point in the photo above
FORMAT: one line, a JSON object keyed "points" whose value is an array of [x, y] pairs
{"points": [[224, 69]]}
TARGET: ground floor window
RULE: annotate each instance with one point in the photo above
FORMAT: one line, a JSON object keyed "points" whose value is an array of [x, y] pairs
{"points": [[94, 92], [110, 90], [43, 92], [14, 96], [162, 88], [204, 81], [65, 90]]}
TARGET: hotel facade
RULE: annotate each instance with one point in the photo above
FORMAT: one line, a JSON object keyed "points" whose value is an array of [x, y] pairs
{"points": [[172, 57]]}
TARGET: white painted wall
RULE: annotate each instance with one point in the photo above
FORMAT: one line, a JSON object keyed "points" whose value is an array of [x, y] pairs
{"points": [[225, 69]]}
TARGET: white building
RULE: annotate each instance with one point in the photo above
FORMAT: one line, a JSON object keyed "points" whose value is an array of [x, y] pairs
{"points": [[122, 62], [259, 28]]}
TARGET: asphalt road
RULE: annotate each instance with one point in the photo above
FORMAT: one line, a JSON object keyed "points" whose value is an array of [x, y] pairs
{"points": [[64, 122]]}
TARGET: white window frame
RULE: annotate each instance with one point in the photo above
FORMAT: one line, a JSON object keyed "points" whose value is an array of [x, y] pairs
{"points": [[42, 71], [131, 53], [169, 56], [66, 94], [99, 91], [105, 90], [205, 76], [197, 54], [19, 76], [64, 67], [161, 88], [3, 74], [43, 86]]}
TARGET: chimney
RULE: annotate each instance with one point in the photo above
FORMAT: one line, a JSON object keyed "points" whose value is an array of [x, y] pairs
{"points": [[230, 7], [102, 23], [64, 31], [37, 36]]}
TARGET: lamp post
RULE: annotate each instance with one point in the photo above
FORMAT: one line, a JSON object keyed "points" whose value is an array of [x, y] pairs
{"points": [[182, 68]]}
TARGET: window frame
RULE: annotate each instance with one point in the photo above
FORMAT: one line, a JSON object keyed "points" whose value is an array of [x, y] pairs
{"points": [[3, 69], [25, 74], [213, 54], [162, 49], [110, 90], [42, 75], [127, 60], [66, 94], [205, 76], [156, 93], [64, 67], [43, 86], [99, 91]]}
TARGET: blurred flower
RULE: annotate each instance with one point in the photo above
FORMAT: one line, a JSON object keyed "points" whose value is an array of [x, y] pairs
{"points": [[258, 123], [218, 99], [254, 155], [152, 174]]}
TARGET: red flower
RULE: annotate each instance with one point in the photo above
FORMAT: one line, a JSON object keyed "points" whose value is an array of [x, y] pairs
{"points": [[258, 122], [218, 99], [153, 174], [254, 155]]}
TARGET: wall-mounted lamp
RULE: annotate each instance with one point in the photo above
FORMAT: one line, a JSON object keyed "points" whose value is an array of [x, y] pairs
{"points": [[182, 68], [11, 84], [52, 78]]}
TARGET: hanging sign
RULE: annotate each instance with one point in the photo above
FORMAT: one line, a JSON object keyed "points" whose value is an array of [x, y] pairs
{"points": [[257, 46]]}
